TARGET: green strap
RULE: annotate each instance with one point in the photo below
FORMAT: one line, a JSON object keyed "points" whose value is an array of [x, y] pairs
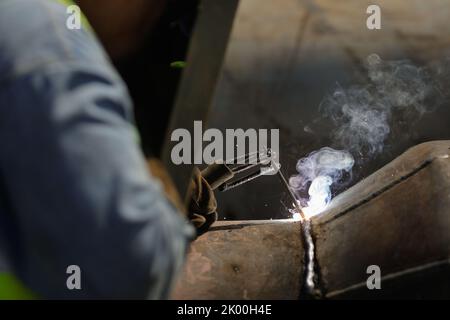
{"points": [[12, 289]]}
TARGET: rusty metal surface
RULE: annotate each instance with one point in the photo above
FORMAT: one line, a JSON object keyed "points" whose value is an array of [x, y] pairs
{"points": [[399, 219], [244, 260]]}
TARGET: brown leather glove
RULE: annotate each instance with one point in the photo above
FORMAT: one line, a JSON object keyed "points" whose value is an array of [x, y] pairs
{"points": [[203, 205]]}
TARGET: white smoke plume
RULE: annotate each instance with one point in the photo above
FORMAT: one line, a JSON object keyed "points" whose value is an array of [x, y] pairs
{"points": [[361, 120], [317, 172], [401, 83], [363, 114], [362, 117]]}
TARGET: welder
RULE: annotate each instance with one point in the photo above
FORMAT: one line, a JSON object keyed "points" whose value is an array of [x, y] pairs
{"points": [[75, 188]]}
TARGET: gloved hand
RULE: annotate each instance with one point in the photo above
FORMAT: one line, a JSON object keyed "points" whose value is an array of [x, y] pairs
{"points": [[203, 205]]}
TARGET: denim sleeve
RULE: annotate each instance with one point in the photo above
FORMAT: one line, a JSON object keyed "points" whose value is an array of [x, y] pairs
{"points": [[76, 184]]}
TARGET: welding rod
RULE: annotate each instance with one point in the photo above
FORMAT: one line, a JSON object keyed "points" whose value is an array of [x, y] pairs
{"points": [[291, 193], [219, 173]]}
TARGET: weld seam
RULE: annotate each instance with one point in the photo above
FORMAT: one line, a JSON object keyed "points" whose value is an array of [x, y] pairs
{"points": [[311, 280]]}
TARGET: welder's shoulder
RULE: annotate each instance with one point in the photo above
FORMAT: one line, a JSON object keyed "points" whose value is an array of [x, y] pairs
{"points": [[34, 33]]}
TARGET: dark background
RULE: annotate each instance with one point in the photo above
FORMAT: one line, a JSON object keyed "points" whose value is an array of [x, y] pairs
{"points": [[284, 57]]}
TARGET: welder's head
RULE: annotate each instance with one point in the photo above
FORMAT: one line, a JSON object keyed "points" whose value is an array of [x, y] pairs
{"points": [[122, 24]]}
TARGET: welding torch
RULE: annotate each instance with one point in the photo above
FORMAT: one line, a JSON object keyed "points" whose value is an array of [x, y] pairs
{"points": [[229, 174]]}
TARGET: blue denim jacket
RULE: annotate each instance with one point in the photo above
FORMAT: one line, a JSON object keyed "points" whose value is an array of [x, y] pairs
{"points": [[74, 186]]}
